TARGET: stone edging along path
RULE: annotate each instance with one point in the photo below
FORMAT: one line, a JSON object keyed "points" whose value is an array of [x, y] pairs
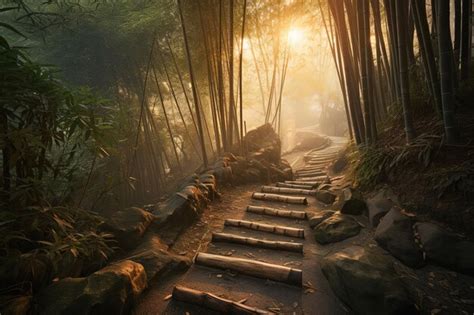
{"points": [[144, 236]]}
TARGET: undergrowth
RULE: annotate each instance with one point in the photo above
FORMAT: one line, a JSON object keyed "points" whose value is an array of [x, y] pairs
{"points": [[39, 244]]}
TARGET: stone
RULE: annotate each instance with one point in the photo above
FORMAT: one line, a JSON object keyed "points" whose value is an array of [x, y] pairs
{"points": [[128, 226], [110, 290], [353, 202], [380, 204], [395, 234], [182, 208], [325, 196], [319, 217], [154, 256], [263, 143], [445, 248], [336, 228], [367, 282]]}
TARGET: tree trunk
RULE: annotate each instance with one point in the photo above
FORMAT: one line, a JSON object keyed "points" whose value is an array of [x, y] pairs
{"points": [[401, 8], [445, 66], [466, 34]]}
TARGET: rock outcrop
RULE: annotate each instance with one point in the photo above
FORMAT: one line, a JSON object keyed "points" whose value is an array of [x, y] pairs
{"points": [[336, 228], [128, 226], [156, 259], [378, 206], [353, 202], [325, 196], [319, 217], [110, 290], [395, 234], [445, 248], [366, 282]]}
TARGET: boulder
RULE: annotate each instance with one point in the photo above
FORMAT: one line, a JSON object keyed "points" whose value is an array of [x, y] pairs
{"points": [[110, 290], [223, 174], [156, 259], [336, 228], [319, 217], [128, 226], [263, 143], [395, 234], [378, 206], [446, 248], [325, 196], [367, 282], [353, 202]]}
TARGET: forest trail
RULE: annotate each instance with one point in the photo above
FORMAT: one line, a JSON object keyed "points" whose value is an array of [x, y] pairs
{"points": [[313, 296]]}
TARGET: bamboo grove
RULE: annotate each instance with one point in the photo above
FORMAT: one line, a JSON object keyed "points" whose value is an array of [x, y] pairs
{"points": [[377, 44]]}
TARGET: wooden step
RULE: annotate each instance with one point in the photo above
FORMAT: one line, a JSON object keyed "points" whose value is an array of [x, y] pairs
{"points": [[314, 184], [280, 198], [311, 173], [214, 302], [250, 241], [320, 179], [299, 186], [275, 229], [286, 191], [277, 212], [252, 268]]}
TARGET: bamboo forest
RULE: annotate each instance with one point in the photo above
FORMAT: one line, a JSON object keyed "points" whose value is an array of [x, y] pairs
{"points": [[191, 157]]}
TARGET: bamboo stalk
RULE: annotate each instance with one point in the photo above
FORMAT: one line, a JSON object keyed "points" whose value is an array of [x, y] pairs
{"points": [[193, 83], [230, 238], [313, 184], [252, 268], [277, 212], [294, 186], [312, 178], [284, 190], [275, 229], [213, 302], [279, 198]]}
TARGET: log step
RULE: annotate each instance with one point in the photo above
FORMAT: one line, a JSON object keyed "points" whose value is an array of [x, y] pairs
{"points": [[213, 302], [313, 178], [314, 184], [299, 186], [310, 173], [275, 229], [250, 241], [277, 212], [283, 190], [252, 268], [280, 198]]}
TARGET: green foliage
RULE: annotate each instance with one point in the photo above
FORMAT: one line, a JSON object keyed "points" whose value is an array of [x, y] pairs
{"points": [[38, 244], [373, 164]]}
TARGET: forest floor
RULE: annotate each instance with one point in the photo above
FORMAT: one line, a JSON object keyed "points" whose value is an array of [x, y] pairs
{"points": [[436, 290]]}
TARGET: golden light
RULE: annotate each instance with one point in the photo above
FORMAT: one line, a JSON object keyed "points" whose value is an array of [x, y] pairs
{"points": [[295, 36]]}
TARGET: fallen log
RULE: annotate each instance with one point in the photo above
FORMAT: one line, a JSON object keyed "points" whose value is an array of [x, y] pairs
{"points": [[250, 241], [275, 229], [213, 302], [252, 268], [314, 184], [279, 184], [280, 198], [277, 212], [289, 191]]}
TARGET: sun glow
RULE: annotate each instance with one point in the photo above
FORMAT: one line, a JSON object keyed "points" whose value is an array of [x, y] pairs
{"points": [[295, 36]]}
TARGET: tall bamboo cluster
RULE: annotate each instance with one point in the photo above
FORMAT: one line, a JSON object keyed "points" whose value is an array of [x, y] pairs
{"points": [[374, 49]]}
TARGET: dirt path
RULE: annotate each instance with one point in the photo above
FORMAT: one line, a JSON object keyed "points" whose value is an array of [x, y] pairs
{"points": [[314, 297]]}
